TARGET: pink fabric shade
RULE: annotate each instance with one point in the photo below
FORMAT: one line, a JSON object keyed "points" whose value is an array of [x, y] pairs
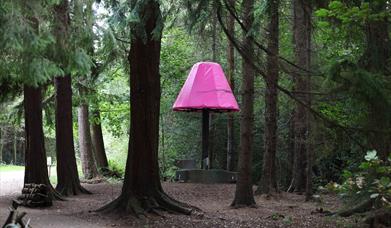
{"points": [[206, 88]]}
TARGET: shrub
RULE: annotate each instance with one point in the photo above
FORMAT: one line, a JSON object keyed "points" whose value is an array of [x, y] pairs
{"points": [[115, 170], [371, 182]]}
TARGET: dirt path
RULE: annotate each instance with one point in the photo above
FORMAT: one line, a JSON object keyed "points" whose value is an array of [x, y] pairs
{"points": [[11, 182], [289, 210]]}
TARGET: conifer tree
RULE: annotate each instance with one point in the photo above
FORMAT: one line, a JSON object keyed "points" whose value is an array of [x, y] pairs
{"points": [[142, 191], [244, 191], [67, 175], [268, 181]]}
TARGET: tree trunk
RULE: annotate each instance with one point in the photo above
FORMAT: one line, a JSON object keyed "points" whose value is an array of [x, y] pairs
{"points": [[231, 80], [376, 60], [97, 141], [212, 117], [302, 41], [35, 155], [163, 146], [15, 147], [1, 146], [142, 191], [85, 144], [67, 175], [244, 193], [291, 155], [268, 180]]}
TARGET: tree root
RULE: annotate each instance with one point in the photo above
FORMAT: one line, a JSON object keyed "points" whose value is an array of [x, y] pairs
{"points": [[55, 195], [140, 206], [242, 203], [360, 208], [72, 190], [238, 206], [182, 204]]}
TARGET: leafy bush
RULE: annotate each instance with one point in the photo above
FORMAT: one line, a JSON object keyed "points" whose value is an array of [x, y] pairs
{"points": [[115, 170], [372, 181]]}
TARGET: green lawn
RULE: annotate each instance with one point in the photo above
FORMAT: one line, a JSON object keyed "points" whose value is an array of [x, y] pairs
{"points": [[8, 168]]}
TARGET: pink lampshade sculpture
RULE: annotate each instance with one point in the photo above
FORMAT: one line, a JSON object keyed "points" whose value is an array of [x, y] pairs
{"points": [[206, 90]]}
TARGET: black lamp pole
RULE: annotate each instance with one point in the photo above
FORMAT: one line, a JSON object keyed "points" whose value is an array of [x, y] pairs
{"points": [[205, 136]]}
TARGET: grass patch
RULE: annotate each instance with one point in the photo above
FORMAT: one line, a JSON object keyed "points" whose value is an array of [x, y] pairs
{"points": [[10, 168]]}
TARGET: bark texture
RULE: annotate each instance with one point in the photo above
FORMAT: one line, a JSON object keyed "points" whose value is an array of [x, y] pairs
{"points": [[231, 70], [85, 144], [268, 181], [244, 193], [15, 147], [142, 191], [212, 149], [67, 175], [35, 155], [97, 141], [302, 44]]}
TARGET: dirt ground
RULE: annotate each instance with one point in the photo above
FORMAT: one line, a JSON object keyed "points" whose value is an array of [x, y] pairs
{"points": [[285, 210]]}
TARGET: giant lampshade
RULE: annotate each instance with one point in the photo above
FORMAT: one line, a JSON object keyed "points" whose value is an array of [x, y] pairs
{"points": [[206, 90]]}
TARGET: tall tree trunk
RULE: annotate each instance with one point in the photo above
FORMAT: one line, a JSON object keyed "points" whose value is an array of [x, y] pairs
{"points": [[302, 11], [85, 143], [244, 193], [268, 180], [35, 155], [231, 80], [376, 59], [1, 144], [142, 191], [163, 146], [67, 175], [84, 14], [15, 147], [291, 155], [212, 117], [97, 141]]}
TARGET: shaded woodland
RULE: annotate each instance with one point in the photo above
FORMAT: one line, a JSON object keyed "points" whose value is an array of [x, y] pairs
{"points": [[91, 84]]}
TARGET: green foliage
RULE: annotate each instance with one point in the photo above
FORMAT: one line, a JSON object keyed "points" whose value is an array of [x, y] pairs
{"points": [[80, 63], [179, 132], [116, 147], [24, 42], [113, 100], [346, 14], [336, 112], [97, 54], [128, 18], [372, 180], [167, 165], [115, 170]]}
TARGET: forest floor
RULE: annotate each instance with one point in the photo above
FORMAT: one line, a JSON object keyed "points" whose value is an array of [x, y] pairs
{"points": [[284, 210]]}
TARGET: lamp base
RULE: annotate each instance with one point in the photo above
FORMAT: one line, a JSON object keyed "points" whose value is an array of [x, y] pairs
{"points": [[209, 176]]}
